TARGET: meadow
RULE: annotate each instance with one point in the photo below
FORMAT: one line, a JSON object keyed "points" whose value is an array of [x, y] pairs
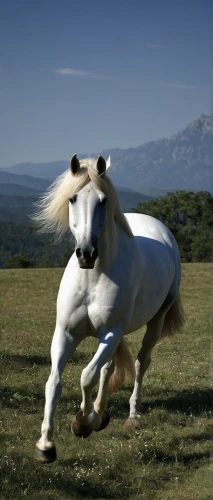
{"points": [[167, 459]]}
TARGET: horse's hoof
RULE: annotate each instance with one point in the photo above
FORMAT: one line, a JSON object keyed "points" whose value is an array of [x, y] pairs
{"points": [[80, 430], [45, 456], [105, 421], [132, 423]]}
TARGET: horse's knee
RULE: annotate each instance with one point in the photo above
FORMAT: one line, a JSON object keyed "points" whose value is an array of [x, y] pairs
{"points": [[89, 377]]}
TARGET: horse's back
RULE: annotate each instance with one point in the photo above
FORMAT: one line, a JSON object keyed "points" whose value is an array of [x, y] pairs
{"points": [[149, 227], [156, 242]]}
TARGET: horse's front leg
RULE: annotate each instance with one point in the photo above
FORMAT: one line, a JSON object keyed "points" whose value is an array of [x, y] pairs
{"points": [[100, 403], [63, 345], [91, 415]]}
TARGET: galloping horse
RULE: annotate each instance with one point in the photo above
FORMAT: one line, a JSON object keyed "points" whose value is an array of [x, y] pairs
{"points": [[125, 273]]}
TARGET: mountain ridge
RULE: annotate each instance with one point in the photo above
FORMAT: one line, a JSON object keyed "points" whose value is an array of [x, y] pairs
{"points": [[181, 161]]}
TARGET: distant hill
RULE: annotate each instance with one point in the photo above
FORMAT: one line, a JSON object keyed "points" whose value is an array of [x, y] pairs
{"points": [[18, 190], [17, 202], [6, 177], [17, 214], [15, 208], [128, 198], [49, 170], [182, 161]]}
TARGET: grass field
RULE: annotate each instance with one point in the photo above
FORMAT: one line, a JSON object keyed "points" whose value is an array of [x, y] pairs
{"points": [[168, 459]]}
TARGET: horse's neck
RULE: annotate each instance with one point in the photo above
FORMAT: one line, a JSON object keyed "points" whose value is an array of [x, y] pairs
{"points": [[106, 254], [109, 247]]}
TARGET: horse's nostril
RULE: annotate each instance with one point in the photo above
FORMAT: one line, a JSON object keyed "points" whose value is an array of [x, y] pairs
{"points": [[95, 253], [78, 252], [86, 254]]}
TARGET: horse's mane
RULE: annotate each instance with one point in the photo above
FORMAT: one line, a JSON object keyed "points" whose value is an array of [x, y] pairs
{"points": [[52, 209]]}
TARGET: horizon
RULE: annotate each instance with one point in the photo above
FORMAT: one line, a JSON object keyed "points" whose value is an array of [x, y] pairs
{"points": [[31, 162], [71, 80]]}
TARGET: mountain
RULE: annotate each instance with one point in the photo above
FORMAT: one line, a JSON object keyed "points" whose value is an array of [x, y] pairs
{"points": [[182, 161], [6, 177], [49, 170]]}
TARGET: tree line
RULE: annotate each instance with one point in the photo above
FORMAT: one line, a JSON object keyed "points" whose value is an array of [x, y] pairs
{"points": [[22, 246], [187, 214]]}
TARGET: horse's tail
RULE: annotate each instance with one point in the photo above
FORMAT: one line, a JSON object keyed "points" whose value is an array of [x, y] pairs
{"points": [[174, 318], [124, 367]]}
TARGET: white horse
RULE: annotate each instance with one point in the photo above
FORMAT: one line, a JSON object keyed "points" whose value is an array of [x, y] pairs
{"points": [[125, 273]]}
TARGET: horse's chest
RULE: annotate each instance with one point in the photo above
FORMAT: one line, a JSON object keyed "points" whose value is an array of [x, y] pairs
{"points": [[100, 316], [85, 311], [105, 305], [90, 304]]}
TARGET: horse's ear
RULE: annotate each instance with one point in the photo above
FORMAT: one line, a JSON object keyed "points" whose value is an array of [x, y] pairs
{"points": [[101, 165], [108, 163], [74, 164]]}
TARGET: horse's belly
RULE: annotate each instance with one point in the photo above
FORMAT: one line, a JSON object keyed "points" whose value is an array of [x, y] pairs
{"points": [[139, 319], [146, 306]]}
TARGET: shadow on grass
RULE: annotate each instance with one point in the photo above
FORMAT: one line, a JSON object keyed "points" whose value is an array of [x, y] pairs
{"points": [[26, 401], [20, 399], [26, 360], [37, 477], [23, 359], [185, 401], [193, 458]]}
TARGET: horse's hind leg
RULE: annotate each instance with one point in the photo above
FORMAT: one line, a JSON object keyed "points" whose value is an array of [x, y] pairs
{"points": [[63, 345], [152, 335]]}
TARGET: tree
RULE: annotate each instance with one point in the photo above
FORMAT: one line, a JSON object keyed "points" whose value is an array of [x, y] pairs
{"points": [[19, 260], [188, 215]]}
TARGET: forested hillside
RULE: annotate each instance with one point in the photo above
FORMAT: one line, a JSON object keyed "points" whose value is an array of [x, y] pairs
{"points": [[189, 216], [23, 246]]}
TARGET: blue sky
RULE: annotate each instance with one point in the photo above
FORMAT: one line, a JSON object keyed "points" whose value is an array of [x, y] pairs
{"points": [[83, 76]]}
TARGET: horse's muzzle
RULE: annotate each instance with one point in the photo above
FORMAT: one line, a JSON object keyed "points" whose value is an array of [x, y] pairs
{"points": [[86, 263], [86, 257]]}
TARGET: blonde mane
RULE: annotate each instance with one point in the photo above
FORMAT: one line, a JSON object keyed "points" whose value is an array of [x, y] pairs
{"points": [[52, 209]]}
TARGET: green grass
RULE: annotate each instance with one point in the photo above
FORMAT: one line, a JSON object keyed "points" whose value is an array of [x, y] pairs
{"points": [[168, 459]]}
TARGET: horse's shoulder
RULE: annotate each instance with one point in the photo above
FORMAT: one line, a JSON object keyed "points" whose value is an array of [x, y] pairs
{"points": [[145, 225]]}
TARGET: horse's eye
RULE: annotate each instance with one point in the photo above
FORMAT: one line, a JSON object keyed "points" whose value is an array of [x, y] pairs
{"points": [[103, 200], [73, 198]]}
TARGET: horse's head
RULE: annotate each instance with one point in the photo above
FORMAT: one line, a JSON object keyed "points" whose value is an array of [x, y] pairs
{"points": [[87, 216]]}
